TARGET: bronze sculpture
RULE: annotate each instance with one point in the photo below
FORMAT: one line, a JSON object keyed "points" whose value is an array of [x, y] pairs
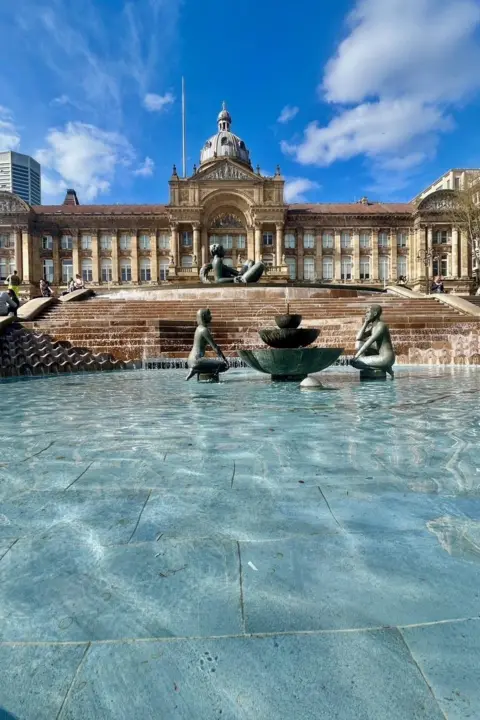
{"points": [[222, 273], [375, 355], [197, 363]]}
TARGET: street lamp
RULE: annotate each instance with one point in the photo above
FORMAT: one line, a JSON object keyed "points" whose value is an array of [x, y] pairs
{"points": [[426, 256]]}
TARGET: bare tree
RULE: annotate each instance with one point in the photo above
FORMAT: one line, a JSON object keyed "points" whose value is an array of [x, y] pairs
{"points": [[465, 214]]}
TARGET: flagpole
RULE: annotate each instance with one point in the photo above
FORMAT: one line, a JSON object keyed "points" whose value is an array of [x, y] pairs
{"points": [[184, 132]]}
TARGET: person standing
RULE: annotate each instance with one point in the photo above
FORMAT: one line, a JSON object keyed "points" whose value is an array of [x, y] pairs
{"points": [[13, 281]]}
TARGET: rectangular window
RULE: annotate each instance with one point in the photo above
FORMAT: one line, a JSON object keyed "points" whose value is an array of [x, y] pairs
{"points": [[187, 239], [86, 243], [3, 269], [106, 271], [67, 271], [364, 268], [290, 241], [402, 239], [125, 242], [105, 242], [457, 183], [292, 267], [382, 240], [441, 237], [241, 242], [164, 241], [345, 240], [327, 268], [87, 270], [309, 241], [126, 271], [186, 261], [401, 266], [309, 268], [144, 242], [164, 271], [365, 239], [383, 268], [6, 241], [327, 240], [346, 268], [227, 242], [47, 243], [268, 238], [145, 272], [66, 242], [48, 270], [444, 265]]}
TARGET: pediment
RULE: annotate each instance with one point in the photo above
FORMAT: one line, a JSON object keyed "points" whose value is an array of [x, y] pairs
{"points": [[440, 201], [11, 204], [226, 170]]}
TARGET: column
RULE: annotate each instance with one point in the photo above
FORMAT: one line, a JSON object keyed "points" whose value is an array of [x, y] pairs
{"points": [[154, 256], [429, 248], [18, 254], [300, 253], [279, 245], [204, 246], [319, 257], [75, 254], [174, 245], [196, 244], [374, 267], [134, 257], [95, 258], [250, 244], [115, 263], [27, 258], [356, 256], [412, 254], [57, 274], [393, 255], [454, 257], [337, 257], [258, 242], [464, 253]]}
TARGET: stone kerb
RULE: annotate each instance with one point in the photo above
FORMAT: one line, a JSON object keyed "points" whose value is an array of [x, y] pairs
{"points": [[459, 303], [5, 322], [31, 309], [77, 295]]}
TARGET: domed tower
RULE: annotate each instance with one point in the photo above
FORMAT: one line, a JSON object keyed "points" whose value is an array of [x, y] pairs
{"points": [[225, 143]]}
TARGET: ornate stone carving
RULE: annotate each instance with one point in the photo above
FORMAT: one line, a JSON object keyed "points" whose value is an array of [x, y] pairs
{"points": [[227, 220], [184, 195], [226, 172], [10, 204], [438, 204], [269, 196]]}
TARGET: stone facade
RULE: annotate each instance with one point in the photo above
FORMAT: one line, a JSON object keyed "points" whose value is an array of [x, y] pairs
{"points": [[226, 201]]}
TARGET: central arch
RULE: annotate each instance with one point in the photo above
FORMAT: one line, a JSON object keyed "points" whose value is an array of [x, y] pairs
{"points": [[227, 219]]}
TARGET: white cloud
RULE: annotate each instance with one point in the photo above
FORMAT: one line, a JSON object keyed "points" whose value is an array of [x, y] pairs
{"points": [[84, 157], [287, 114], [295, 189], [9, 134], [396, 80], [146, 168], [157, 103], [61, 100]]}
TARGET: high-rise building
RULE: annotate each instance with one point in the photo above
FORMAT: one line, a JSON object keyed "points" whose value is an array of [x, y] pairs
{"points": [[20, 174]]}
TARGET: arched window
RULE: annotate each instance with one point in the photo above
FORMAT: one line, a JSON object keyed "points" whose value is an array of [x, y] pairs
{"points": [[364, 268], [106, 270], [87, 270], [327, 268], [401, 266], [48, 270], [164, 270], [292, 267], [309, 268], [145, 271], [346, 268], [384, 268], [126, 270]]}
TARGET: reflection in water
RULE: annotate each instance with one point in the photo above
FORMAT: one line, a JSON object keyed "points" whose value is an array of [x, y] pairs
{"points": [[458, 536]]}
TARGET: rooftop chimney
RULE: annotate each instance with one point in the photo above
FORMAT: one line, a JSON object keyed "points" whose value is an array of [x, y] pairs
{"points": [[71, 198]]}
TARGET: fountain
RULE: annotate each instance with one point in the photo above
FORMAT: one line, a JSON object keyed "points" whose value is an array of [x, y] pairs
{"points": [[288, 357]]}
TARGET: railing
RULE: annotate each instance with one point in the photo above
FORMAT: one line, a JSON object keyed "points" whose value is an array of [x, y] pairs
{"points": [[276, 270], [187, 271]]}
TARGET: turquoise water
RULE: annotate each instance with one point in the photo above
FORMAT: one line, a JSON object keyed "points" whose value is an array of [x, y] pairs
{"points": [[209, 543]]}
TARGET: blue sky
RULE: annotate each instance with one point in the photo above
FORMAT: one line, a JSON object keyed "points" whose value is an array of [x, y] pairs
{"points": [[351, 98]]}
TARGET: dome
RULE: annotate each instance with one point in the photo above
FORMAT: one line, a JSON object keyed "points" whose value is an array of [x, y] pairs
{"points": [[225, 143]]}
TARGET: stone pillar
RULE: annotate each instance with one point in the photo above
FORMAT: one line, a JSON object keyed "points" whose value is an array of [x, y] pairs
{"points": [[154, 257], [258, 243], [454, 258], [204, 251], [75, 254], [393, 255], [279, 245], [319, 257], [464, 255], [374, 267], [337, 257], [27, 258], [115, 262], [174, 245], [95, 258], [300, 235], [356, 256], [134, 257], [429, 248], [250, 244], [18, 253], [196, 244], [57, 275]]}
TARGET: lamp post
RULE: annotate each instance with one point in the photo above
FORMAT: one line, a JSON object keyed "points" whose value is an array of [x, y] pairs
{"points": [[426, 256]]}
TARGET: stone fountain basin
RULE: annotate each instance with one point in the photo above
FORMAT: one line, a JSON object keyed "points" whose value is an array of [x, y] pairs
{"points": [[288, 320], [289, 337], [292, 363]]}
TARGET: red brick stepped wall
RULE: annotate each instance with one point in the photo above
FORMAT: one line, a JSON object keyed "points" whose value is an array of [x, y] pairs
{"points": [[423, 330]]}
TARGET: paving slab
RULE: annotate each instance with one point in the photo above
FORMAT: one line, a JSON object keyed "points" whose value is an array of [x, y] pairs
{"points": [[356, 676], [58, 590], [350, 581], [35, 679], [108, 517], [449, 657], [39, 474], [5, 543]]}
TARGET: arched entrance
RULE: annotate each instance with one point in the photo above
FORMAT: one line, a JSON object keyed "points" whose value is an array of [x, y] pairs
{"points": [[227, 222]]}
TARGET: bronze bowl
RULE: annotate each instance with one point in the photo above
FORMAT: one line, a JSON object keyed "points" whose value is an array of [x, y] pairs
{"points": [[289, 337], [288, 321]]}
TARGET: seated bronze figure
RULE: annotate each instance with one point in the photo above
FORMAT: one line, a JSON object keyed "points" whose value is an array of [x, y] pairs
{"points": [[374, 345], [197, 363], [222, 273]]}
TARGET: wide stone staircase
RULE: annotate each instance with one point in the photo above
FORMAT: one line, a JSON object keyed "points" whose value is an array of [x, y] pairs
{"points": [[424, 330]]}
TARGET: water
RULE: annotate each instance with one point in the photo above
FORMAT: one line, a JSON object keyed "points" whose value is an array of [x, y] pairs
{"points": [[136, 506]]}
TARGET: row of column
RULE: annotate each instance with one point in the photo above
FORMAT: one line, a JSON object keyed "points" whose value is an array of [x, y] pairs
{"points": [[460, 251]]}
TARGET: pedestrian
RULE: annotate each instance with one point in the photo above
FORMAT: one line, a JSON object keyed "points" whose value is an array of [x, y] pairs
{"points": [[45, 289], [7, 304], [13, 281]]}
